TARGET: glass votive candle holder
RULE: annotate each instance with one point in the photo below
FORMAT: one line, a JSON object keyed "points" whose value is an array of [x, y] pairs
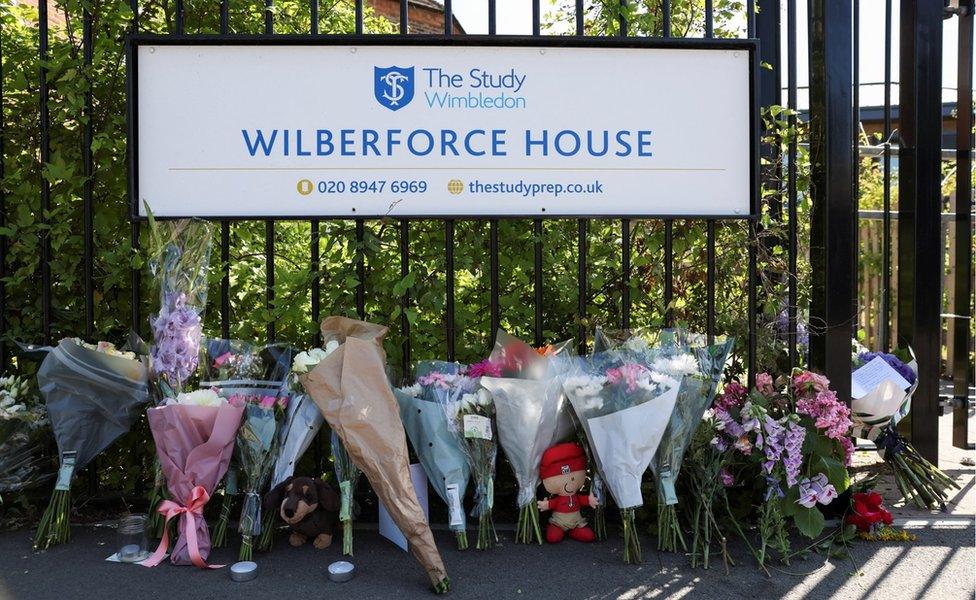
{"points": [[133, 539]]}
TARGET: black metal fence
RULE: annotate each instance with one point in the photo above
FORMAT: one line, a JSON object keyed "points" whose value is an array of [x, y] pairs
{"points": [[834, 110]]}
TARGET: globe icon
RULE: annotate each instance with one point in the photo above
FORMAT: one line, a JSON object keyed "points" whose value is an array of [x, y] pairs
{"points": [[455, 186]]}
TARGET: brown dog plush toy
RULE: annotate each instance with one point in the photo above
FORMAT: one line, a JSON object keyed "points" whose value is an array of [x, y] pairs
{"points": [[309, 506]]}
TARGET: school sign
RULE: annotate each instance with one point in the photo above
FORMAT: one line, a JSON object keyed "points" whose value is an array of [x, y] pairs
{"points": [[488, 127]]}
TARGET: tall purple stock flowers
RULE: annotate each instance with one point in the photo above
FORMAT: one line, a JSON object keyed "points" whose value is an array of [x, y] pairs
{"points": [[176, 340]]}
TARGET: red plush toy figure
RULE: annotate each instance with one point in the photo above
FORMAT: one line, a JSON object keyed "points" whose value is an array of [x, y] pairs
{"points": [[563, 472]]}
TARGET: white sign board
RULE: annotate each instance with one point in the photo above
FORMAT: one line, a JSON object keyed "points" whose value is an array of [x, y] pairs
{"points": [[265, 130]]}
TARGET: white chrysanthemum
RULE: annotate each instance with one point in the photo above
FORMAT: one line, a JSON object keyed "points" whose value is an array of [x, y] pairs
{"points": [[593, 403], [683, 364], [584, 386], [200, 398], [413, 391], [483, 397]]}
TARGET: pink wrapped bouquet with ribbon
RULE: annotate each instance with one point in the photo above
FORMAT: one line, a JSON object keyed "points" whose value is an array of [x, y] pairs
{"points": [[194, 435]]}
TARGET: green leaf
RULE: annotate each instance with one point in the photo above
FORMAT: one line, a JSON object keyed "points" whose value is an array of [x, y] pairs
{"points": [[809, 521]]}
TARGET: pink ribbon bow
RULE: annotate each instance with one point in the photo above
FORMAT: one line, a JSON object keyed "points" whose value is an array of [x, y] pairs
{"points": [[193, 510]]}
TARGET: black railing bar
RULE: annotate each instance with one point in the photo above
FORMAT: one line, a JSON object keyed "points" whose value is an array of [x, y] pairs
{"points": [[582, 283], [710, 280], [449, 287], [3, 238], [791, 187], [492, 17], [89, 173], [180, 17], [135, 274], [315, 249], [225, 279], [623, 19], [448, 20], [360, 269], [269, 226], [886, 191], [225, 224], [404, 18], [625, 269], [750, 18], [537, 231], [494, 287], [666, 18], [753, 304], [856, 131], [405, 298], [316, 283], [45, 157], [579, 17], [668, 272], [536, 17], [709, 19], [359, 17]]}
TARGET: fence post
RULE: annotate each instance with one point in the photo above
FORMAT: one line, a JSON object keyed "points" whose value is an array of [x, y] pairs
{"points": [[959, 331], [832, 312], [920, 210]]}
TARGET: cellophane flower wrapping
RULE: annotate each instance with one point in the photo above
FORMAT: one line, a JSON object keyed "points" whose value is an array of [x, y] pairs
{"points": [[194, 444], [24, 435], [257, 443], [347, 474], [470, 413], [236, 368], [532, 413], [438, 450], [624, 408], [352, 390], [92, 397], [527, 413], [179, 263], [876, 416], [697, 368]]}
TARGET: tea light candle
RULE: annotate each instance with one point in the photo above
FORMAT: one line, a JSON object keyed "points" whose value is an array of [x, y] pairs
{"points": [[244, 570], [341, 571], [130, 553]]}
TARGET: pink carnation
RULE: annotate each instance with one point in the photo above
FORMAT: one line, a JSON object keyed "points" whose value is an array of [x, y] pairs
{"points": [[627, 372], [267, 401], [485, 368]]}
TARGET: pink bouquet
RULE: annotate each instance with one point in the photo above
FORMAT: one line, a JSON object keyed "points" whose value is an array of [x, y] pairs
{"points": [[194, 442]]}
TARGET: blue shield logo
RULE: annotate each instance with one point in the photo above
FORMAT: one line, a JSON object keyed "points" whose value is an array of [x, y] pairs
{"points": [[393, 86]]}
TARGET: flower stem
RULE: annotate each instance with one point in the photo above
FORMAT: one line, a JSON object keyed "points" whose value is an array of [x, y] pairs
{"points": [[266, 539], [347, 537]]}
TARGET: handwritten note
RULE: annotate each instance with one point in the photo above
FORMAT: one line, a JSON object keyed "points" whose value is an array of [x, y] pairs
{"points": [[873, 374]]}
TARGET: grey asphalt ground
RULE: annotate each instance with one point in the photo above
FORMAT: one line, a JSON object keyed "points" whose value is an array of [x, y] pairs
{"points": [[939, 565]]}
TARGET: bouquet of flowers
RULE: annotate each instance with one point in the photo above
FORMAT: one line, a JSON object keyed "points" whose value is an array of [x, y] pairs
{"points": [[347, 474], [257, 443], [301, 425], [439, 451], [876, 413], [351, 389], [624, 408], [469, 411], [797, 438], [179, 262], [23, 433], [194, 434], [697, 369], [244, 371], [92, 393], [531, 413], [527, 413]]}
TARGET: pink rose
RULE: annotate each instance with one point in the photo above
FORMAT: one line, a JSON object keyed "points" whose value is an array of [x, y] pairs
{"points": [[267, 401], [222, 360]]}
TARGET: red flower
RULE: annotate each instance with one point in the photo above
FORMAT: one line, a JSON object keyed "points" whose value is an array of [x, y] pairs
{"points": [[867, 512]]}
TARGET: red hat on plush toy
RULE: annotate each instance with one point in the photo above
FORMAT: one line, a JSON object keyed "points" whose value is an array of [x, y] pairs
{"points": [[561, 459]]}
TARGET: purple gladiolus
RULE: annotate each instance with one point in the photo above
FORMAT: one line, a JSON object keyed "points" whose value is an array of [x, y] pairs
{"points": [[176, 340]]}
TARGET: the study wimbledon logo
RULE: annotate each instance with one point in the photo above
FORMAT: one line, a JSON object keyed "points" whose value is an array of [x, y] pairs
{"points": [[393, 86]]}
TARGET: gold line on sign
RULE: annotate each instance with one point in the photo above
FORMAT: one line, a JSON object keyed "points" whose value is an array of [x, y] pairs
{"points": [[696, 169]]}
